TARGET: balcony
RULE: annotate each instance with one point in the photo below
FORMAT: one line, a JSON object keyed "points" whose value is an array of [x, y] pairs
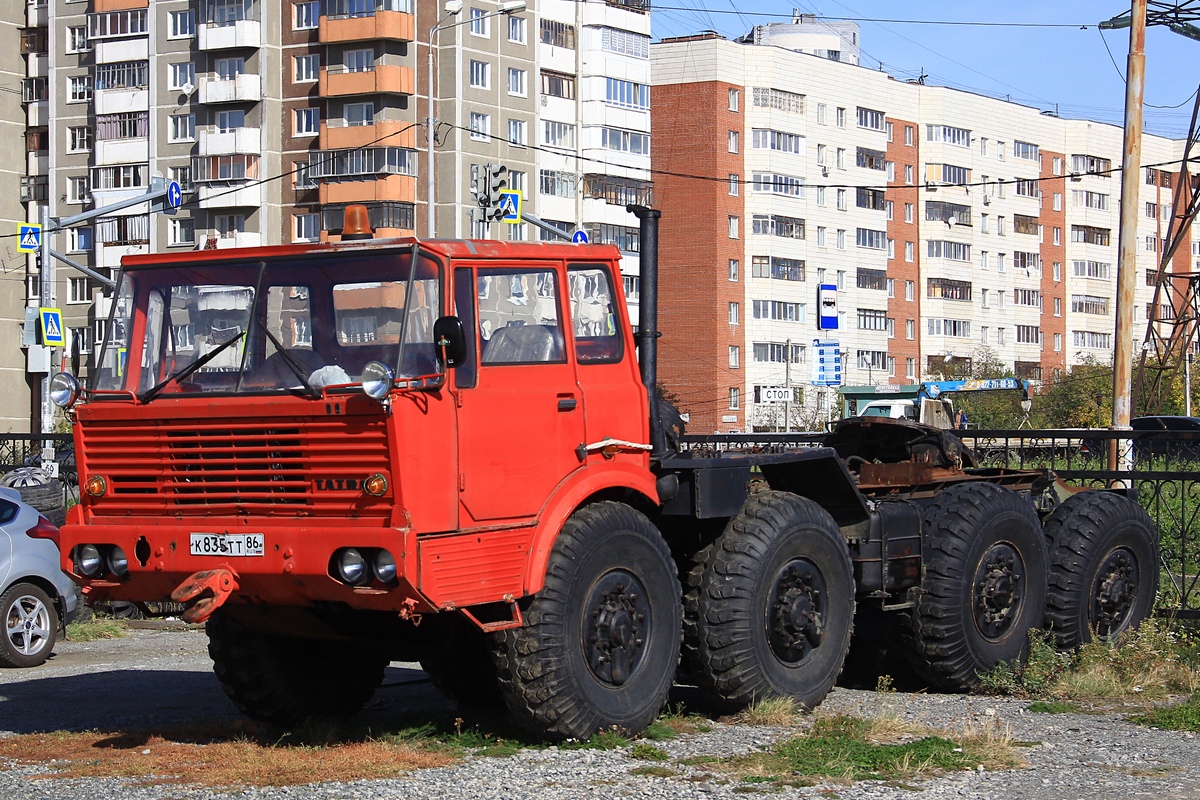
{"points": [[244, 88], [209, 240], [391, 25], [122, 151], [390, 132], [223, 195], [113, 51], [36, 15], [103, 197], [241, 33], [383, 79], [110, 255], [37, 65], [116, 101], [212, 141], [395, 188]]}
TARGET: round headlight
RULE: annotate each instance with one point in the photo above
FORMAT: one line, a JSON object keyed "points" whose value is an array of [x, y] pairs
{"points": [[376, 485], [96, 486], [385, 566], [377, 379], [88, 560], [118, 564], [64, 390], [352, 567]]}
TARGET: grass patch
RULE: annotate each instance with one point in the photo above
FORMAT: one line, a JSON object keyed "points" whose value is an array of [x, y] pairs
{"points": [[676, 720], [1182, 717], [97, 629], [1150, 662], [850, 749], [648, 752], [776, 712], [1053, 707]]}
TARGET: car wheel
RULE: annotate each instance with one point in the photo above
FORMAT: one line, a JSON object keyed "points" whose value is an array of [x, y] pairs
{"points": [[30, 626]]}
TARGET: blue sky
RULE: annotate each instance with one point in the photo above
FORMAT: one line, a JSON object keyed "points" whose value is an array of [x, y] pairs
{"points": [[1039, 66]]}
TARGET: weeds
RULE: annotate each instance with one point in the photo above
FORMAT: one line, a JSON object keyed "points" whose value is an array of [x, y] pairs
{"points": [[648, 752], [1182, 717], [775, 712], [1053, 707], [98, 628]]}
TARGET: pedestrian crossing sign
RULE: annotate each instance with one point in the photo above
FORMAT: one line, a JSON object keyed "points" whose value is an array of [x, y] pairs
{"points": [[52, 329], [29, 237], [510, 206]]}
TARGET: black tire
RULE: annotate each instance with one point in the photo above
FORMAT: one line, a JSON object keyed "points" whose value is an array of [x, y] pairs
{"points": [[984, 588], [30, 626], [45, 497], [600, 643], [1104, 565], [285, 681], [770, 605]]}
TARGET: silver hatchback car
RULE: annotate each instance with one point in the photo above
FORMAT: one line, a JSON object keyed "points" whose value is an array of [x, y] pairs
{"points": [[35, 595]]}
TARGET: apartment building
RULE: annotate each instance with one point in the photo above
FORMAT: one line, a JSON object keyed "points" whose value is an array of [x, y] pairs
{"points": [[14, 167], [953, 226], [273, 116]]}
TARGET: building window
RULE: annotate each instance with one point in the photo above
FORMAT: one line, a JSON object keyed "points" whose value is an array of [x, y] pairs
{"points": [[79, 139], [306, 15], [80, 89], [625, 141], [734, 99], [733, 227], [182, 176], [868, 118], [626, 94], [734, 313], [733, 185], [558, 34], [735, 357], [80, 240], [79, 292], [626, 43], [362, 60], [558, 84], [841, 117], [516, 132], [182, 75], [516, 30], [821, 111], [517, 83], [733, 269], [357, 114], [479, 22], [181, 24], [480, 74], [306, 68], [307, 228], [735, 398], [308, 121], [182, 128], [908, 174], [182, 231], [558, 134], [77, 190], [733, 141], [77, 41]]}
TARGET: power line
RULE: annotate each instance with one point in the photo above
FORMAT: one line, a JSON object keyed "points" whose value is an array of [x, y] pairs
{"points": [[880, 20]]}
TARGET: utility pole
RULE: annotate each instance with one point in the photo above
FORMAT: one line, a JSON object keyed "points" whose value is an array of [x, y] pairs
{"points": [[1135, 80]]}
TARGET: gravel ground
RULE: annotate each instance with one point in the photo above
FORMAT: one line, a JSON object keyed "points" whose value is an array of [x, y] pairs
{"points": [[156, 679]]}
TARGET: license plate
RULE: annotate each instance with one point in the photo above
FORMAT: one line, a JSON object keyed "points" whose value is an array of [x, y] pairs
{"points": [[227, 544]]}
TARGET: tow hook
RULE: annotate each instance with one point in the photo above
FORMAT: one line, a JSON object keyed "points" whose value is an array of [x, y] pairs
{"points": [[212, 586]]}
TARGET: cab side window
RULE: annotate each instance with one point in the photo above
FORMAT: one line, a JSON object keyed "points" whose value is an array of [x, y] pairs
{"points": [[519, 318], [593, 315]]}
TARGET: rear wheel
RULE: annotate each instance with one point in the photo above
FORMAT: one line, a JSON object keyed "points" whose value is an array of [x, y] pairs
{"points": [[30, 626], [1103, 567], [284, 680], [600, 642], [984, 588], [770, 605]]}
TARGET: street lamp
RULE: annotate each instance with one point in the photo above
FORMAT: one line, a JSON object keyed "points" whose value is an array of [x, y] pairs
{"points": [[453, 8]]}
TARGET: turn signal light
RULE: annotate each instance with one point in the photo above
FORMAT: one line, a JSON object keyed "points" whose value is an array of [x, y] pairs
{"points": [[96, 486], [376, 485]]}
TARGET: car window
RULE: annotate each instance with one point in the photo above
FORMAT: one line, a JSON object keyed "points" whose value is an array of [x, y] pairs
{"points": [[8, 511]]}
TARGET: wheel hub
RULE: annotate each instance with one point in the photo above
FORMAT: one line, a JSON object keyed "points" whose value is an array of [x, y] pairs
{"points": [[998, 594], [1114, 592], [616, 627], [796, 611]]}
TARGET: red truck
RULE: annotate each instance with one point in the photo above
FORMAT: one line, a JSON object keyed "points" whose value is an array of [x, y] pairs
{"points": [[345, 454]]}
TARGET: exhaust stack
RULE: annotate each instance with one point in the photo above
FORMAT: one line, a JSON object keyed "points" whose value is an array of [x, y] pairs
{"points": [[648, 333]]}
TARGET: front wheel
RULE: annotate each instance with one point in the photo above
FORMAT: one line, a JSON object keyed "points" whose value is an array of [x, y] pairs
{"points": [[1103, 567], [600, 642], [30, 626], [771, 605], [984, 587]]}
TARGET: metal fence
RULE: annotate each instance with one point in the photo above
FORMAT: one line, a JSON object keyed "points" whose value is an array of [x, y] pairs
{"points": [[1164, 473], [25, 449]]}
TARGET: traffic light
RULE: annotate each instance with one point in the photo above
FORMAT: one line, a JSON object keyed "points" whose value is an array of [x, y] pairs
{"points": [[496, 181]]}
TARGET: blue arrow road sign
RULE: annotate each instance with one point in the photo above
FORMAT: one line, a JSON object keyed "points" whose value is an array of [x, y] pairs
{"points": [[174, 197], [579, 237], [29, 237]]}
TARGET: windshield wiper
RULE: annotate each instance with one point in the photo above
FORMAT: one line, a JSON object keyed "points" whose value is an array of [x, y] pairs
{"points": [[292, 364], [154, 391]]}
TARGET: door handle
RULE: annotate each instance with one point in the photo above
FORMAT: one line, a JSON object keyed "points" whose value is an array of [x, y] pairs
{"points": [[567, 403]]}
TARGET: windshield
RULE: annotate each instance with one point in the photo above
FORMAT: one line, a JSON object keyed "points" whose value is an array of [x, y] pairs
{"points": [[269, 326]]}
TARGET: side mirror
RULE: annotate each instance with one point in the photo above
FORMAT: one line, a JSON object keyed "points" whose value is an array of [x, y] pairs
{"points": [[451, 341]]}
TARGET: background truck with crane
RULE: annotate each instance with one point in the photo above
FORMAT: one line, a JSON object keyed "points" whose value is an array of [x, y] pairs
{"points": [[345, 454], [929, 403]]}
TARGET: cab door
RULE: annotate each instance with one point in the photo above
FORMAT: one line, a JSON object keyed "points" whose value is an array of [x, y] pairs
{"points": [[522, 422]]}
